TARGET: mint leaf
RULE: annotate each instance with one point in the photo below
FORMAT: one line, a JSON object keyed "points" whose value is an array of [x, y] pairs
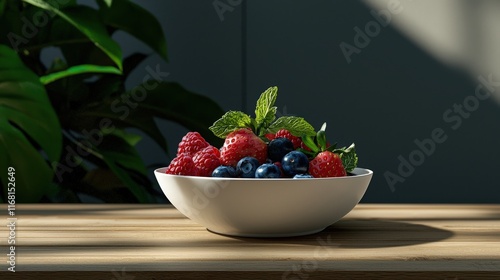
{"points": [[265, 112], [296, 125], [229, 122], [348, 156]]}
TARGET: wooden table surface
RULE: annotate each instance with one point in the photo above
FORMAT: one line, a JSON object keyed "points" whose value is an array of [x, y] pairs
{"points": [[374, 241]]}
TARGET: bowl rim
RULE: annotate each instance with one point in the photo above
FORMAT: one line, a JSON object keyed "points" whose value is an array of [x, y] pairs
{"points": [[363, 173]]}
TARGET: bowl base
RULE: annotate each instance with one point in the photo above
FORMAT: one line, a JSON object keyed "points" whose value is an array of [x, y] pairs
{"points": [[267, 235]]}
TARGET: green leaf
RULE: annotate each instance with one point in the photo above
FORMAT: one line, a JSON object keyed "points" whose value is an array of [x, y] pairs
{"points": [[309, 142], [135, 20], [321, 137], [77, 70], [108, 2], [28, 124], [163, 100], [2, 6], [348, 156], [170, 101], [296, 125], [143, 121], [265, 112], [229, 122], [121, 157], [87, 21]]}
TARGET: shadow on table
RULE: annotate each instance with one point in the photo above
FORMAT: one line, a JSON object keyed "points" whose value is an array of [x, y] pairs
{"points": [[358, 233]]}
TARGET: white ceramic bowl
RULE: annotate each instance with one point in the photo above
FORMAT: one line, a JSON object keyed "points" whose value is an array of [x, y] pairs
{"points": [[264, 207]]}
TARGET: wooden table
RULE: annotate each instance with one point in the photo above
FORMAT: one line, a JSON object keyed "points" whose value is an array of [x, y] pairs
{"points": [[374, 241]]}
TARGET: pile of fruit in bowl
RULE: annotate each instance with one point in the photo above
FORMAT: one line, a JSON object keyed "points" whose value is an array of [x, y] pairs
{"points": [[272, 177], [263, 147]]}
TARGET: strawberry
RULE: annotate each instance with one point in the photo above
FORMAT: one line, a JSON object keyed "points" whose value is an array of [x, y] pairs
{"points": [[326, 164], [326, 160], [191, 143], [296, 141], [242, 143], [182, 165], [206, 161]]}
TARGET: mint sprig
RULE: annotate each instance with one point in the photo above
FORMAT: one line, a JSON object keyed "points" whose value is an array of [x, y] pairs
{"points": [[348, 156], [319, 144], [229, 122], [265, 111], [265, 119], [296, 125]]}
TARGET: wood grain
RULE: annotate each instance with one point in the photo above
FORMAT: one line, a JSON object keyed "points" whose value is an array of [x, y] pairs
{"points": [[152, 241]]}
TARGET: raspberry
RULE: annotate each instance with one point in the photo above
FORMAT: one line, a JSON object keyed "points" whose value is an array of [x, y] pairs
{"points": [[212, 150], [296, 141], [182, 165], [191, 143], [270, 136], [242, 143], [206, 161]]}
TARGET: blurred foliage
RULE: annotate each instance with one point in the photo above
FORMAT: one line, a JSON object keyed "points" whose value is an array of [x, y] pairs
{"points": [[63, 128]]}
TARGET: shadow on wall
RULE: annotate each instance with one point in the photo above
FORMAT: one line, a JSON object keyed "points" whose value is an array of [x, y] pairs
{"points": [[429, 131]]}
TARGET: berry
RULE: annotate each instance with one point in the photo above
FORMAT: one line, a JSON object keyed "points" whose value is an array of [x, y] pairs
{"points": [[295, 162], [191, 143], [211, 149], [242, 143], [296, 141], [302, 176], [270, 136], [206, 161], [326, 164], [278, 148], [246, 167], [182, 165], [268, 170], [225, 171], [278, 164]]}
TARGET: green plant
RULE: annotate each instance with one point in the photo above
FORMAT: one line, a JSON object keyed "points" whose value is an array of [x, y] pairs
{"points": [[63, 128]]}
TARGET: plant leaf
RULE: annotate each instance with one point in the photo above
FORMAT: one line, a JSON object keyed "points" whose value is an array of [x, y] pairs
{"points": [[144, 122], [108, 2], [76, 70], [27, 123], [170, 101], [348, 156], [2, 6], [265, 112], [229, 122], [309, 142], [296, 125], [87, 21], [135, 20], [121, 157]]}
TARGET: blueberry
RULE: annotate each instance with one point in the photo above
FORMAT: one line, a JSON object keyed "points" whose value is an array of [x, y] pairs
{"points": [[268, 170], [224, 171], [302, 176], [278, 148], [246, 167], [295, 162]]}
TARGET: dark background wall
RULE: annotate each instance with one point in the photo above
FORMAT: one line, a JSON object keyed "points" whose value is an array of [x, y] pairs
{"points": [[392, 93]]}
